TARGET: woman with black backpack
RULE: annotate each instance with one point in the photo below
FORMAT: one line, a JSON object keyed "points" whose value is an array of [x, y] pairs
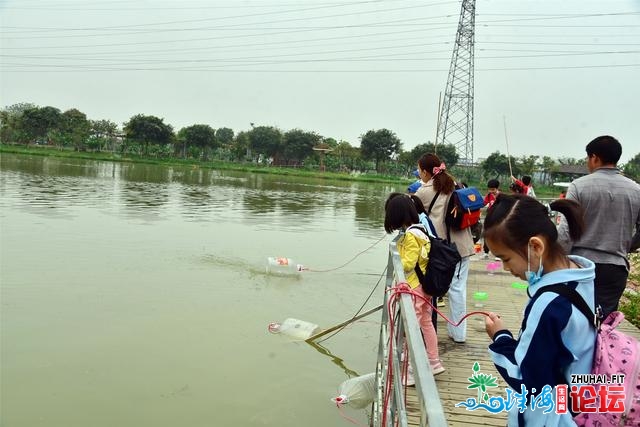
{"points": [[435, 195]]}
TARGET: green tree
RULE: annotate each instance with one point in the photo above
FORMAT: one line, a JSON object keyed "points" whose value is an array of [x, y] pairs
{"points": [[201, 136], [224, 136], [11, 122], [548, 167], [75, 128], [240, 147], [528, 164], [331, 142], [148, 130], [632, 168], [266, 140], [103, 134], [447, 153], [36, 123], [571, 161], [347, 156], [497, 165], [379, 145], [298, 144]]}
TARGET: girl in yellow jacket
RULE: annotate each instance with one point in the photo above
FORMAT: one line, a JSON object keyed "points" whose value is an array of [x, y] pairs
{"points": [[413, 246]]}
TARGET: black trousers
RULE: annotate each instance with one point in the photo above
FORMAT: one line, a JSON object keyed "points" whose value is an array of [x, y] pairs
{"points": [[611, 280]]}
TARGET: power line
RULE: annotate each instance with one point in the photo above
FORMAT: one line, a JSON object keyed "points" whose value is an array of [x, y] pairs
{"points": [[370, 58], [85, 68], [218, 18]]}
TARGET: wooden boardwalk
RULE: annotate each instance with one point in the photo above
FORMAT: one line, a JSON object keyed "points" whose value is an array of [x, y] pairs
{"points": [[458, 359]]}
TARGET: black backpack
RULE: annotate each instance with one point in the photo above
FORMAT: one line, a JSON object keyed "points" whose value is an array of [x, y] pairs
{"points": [[443, 258]]}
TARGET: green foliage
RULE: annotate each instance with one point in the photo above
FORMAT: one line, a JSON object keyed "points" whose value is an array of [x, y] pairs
{"points": [[330, 142], [548, 167], [103, 135], [632, 168], [379, 145], [298, 144], [76, 128], [266, 140], [497, 165], [10, 122], [528, 164], [148, 130], [240, 147], [202, 136], [344, 157], [630, 301], [36, 122], [447, 153], [630, 306], [572, 161], [224, 136]]}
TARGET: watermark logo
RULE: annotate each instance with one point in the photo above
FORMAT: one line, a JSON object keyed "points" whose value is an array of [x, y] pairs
{"points": [[482, 382], [585, 393]]}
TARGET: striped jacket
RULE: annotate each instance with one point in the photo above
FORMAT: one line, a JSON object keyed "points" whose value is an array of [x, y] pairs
{"points": [[555, 341]]}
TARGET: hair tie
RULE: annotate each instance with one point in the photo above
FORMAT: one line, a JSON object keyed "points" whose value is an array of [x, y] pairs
{"points": [[439, 169]]}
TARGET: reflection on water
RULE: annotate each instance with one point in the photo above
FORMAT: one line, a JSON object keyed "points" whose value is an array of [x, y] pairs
{"points": [[152, 191], [137, 294]]}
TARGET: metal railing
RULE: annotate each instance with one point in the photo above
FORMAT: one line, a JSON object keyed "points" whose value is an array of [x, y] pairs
{"points": [[391, 343]]}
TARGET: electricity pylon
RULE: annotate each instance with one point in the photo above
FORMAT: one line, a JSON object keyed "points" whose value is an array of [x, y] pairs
{"points": [[455, 125]]}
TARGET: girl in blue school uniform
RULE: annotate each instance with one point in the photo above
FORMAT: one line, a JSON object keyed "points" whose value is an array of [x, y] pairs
{"points": [[555, 340]]}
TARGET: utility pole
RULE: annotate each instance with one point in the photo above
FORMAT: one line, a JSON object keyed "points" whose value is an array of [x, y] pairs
{"points": [[455, 125]]}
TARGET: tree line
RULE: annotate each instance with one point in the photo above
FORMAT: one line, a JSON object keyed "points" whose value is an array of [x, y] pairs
{"points": [[149, 136]]}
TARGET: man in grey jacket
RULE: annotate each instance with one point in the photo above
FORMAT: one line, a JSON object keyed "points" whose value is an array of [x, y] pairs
{"points": [[611, 205]]}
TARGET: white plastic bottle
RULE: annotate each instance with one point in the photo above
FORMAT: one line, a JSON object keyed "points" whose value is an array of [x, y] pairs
{"points": [[280, 265], [357, 392], [294, 328]]}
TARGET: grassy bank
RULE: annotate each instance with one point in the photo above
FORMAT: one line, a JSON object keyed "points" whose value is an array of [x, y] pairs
{"points": [[630, 301], [213, 164], [35, 150]]}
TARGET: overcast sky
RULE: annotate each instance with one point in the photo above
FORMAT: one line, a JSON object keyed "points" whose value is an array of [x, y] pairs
{"points": [[560, 72]]}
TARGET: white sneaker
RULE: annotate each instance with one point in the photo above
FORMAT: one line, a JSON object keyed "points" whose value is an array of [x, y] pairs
{"points": [[410, 380]]}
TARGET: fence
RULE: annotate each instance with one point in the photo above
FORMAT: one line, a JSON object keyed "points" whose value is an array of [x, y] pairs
{"points": [[399, 327]]}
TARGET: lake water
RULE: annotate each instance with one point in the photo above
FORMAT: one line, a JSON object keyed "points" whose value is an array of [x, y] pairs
{"points": [[136, 295]]}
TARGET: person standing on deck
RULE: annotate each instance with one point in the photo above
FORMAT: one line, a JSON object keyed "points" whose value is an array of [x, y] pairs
{"points": [[611, 205], [439, 185], [413, 248], [555, 340]]}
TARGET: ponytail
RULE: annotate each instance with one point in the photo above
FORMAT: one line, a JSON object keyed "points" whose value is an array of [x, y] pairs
{"points": [[442, 181], [514, 219], [573, 213]]}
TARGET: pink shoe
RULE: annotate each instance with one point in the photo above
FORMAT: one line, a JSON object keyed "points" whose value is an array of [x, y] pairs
{"points": [[436, 367]]}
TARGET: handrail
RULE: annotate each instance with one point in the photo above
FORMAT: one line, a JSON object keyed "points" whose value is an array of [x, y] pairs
{"points": [[406, 327]]}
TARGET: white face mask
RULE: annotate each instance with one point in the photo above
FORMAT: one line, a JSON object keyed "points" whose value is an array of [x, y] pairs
{"points": [[532, 277]]}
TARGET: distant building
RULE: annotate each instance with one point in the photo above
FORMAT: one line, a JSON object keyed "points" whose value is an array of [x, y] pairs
{"points": [[569, 172]]}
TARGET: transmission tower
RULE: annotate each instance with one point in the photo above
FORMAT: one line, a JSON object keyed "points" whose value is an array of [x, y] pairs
{"points": [[455, 124]]}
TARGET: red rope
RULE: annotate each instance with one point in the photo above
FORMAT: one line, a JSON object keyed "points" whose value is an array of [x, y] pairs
{"points": [[346, 417], [403, 288], [400, 289]]}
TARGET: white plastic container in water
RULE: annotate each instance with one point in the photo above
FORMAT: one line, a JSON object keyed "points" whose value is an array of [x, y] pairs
{"points": [[280, 265], [294, 328], [357, 392]]}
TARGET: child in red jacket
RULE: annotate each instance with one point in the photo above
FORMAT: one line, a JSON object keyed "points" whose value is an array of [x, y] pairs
{"points": [[493, 188]]}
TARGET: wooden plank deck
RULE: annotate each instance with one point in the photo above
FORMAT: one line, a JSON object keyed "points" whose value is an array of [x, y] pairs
{"points": [[458, 359]]}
